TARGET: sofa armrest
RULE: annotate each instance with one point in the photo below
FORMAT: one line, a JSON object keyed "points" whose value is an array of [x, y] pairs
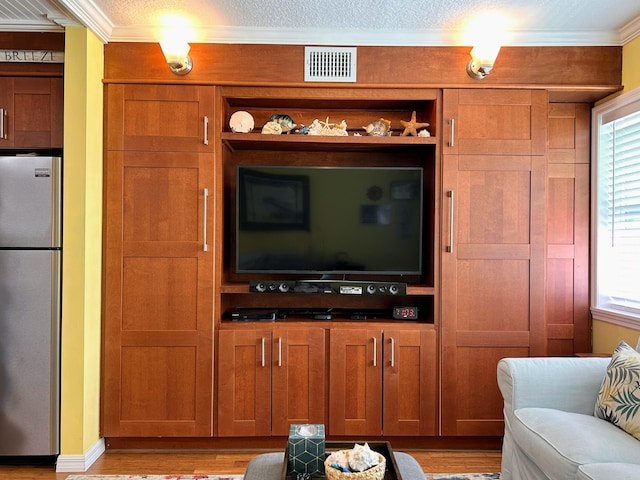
{"points": [[564, 383]]}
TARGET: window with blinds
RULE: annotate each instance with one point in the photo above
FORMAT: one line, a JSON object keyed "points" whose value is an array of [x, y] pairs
{"points": [[617, 208]]}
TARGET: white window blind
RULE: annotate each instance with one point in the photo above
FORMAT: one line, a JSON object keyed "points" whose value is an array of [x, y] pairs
{"points": [[617, 208]]}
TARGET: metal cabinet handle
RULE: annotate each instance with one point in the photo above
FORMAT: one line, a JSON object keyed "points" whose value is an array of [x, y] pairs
{"points": [[375, 352], [262, 363], [3, 113], [205, 247], [393, 352], [452, 122], [206, 130], [279, 351], [451, 212]]}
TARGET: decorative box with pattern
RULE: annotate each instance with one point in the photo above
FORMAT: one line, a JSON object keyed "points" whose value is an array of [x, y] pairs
{"points": [[306, 449]]}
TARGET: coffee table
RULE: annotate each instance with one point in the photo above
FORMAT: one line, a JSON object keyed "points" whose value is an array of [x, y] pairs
{"points": [[269, 466]]}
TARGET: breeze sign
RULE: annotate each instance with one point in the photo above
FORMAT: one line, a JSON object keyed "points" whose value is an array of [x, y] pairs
{"points": [[31, 56]]}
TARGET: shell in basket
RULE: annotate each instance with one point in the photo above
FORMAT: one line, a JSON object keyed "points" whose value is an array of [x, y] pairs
{"points": [[374, 473]]}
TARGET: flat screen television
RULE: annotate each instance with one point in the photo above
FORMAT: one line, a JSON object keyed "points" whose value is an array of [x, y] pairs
{"points": [[313, 220]]}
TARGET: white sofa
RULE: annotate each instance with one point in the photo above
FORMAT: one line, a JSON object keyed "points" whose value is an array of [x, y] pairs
{"points": [[550, 428]]}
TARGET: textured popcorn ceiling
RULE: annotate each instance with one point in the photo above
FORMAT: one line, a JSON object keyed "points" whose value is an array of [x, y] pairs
{"points": [[362, 22]]}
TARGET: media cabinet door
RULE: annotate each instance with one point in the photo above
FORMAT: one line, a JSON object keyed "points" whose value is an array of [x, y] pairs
{"points": [[355, 381]]}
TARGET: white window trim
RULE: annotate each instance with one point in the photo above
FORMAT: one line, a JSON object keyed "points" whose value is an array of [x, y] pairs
{"points": [[616, 317]]}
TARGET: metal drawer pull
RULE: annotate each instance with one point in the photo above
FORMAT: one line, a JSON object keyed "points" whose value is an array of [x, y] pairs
{"points": [[206, 130], [451, 211], [393, 352], [205, 247], [279, 351], [375, 352], [262, 362], [452, 122]]}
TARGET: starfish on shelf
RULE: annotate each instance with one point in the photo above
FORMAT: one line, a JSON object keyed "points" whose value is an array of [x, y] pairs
{"points": [[411, 127]]}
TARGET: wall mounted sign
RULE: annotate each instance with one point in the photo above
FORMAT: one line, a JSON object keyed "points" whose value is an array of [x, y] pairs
{"points": [[31, 56]]}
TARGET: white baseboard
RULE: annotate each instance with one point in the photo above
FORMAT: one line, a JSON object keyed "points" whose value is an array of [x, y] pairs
{"points": [[80, 463]]}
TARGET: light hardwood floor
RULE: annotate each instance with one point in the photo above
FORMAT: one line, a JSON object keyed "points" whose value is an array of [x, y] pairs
{"points": [[219, 462]]}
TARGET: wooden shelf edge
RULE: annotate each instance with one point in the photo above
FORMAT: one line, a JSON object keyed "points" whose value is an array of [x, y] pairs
{"points": [[237, 139]]}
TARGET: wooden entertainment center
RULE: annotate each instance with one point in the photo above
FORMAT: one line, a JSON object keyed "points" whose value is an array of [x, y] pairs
{"points": [[505, 246]]}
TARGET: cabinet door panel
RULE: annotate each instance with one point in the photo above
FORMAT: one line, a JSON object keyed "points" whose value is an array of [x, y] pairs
{"points": [[158, 302], [298, 378], [244, 383], [501, 122], [410, 375], [355, 377], [159, 118], [492, 281], [34, 112]]}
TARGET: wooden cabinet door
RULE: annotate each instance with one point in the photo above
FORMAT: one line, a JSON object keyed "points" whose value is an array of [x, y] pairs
{"points": [[244, 383], [493, 259], [297, 378], [32, 112], [567, 271], [492, 282], [355, 379], [158, 313], [495, 122], [410, 382], [162, 118]]}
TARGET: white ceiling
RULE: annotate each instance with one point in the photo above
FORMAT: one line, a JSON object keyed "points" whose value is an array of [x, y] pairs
{"points": [[334, 22]]}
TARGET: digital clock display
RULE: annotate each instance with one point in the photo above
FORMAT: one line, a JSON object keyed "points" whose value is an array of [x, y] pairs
{"points": [[405, 313]]}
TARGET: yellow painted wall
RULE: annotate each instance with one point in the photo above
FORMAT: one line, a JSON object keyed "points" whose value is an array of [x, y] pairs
{"points": [[605, 335], [82, 245]]}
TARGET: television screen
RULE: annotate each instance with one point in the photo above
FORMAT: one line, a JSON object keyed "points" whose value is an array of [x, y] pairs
{"points": [[329, 220]]}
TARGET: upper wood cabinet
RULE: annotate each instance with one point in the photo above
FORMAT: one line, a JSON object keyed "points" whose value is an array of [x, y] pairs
{"points": [[31, 112], [158, 267], [495, 122], [161, 118]]}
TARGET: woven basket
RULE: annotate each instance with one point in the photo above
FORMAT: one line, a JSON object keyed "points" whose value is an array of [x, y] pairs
{"points": [[374, 473]]}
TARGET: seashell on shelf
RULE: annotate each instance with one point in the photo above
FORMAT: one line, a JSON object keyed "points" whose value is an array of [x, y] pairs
{"points": [[285, 121], [241, 122], [378, 128], [272, 128]]}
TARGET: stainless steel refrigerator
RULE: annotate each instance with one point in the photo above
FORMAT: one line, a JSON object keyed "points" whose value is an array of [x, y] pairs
{"points": [[30, 263]]}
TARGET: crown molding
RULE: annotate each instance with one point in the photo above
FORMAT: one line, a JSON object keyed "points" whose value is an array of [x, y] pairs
{"points": [[89, 15], [630, 31], [246, 35]]}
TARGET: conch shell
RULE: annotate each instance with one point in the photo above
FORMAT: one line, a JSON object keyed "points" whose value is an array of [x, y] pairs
{"points": [[361, 458], [378, 128]]}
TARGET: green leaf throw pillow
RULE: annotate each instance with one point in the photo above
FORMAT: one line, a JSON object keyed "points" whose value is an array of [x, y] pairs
{"points": [[619, 397]]}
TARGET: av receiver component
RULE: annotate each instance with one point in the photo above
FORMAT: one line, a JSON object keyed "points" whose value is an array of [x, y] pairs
{"points": [[342, 287]]}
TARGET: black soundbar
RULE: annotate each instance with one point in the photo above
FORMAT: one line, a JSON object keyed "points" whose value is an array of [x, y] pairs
{"points": [[342, 287]]}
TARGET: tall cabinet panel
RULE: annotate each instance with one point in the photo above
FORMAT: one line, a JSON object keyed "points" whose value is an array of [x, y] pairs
{"points": [[158, 317], [567, 268], [494, 173]]}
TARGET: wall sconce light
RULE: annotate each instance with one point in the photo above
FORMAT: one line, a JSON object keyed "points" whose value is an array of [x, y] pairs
{"points": [[483, 56], [176, 53]]}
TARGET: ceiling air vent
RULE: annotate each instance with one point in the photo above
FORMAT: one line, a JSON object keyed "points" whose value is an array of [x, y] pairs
{"points": [[330, 64]]}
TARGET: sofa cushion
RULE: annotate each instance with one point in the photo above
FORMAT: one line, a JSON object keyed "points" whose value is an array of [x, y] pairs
{"points": [[609, 471], [619, 397], [558, 441]]}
